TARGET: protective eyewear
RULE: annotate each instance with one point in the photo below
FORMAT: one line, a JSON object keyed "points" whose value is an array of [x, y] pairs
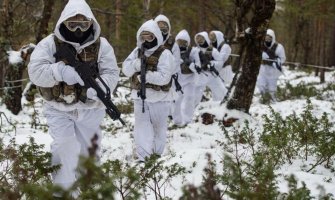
{"points": [[199, 39], [164, 27], [268, 38], [212, 37], [74, 25], [147, 36], [182, 43]]}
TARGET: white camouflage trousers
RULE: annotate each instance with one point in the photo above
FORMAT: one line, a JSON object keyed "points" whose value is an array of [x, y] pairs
{"points": [[71, 133], [184, 105], [150, 130]]}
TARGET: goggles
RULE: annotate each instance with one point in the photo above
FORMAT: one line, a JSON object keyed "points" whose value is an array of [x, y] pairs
{"points": [[164, 27], [74, 25], [182, 43], [212, 37], [147, 36], [199, 39], [268, 38]]}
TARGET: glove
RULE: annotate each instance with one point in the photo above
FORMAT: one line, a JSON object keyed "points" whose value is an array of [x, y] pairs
{"points": [[139, 78], [67, 74], [92, 94], [212, 63], [194, 68], [137, 64]]}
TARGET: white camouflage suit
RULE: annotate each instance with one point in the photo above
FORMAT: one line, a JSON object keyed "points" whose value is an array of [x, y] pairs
{"points": [[150, 130], [269, 74], [184, 105], [176, 56], [71, 126], [226, 72], [207, 78]]}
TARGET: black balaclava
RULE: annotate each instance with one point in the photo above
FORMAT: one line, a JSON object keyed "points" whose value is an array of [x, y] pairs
{"points": [[204, 45], [78, 36], [182, 48], [164, 36], [149, 45], [268, 43], [215, 44]]}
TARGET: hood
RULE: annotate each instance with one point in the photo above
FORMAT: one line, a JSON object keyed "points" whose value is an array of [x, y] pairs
{"points": [[205, 34], [183, 35], [73, 8], [164, 19], [150, 26], [219, 37], [272, 34]]}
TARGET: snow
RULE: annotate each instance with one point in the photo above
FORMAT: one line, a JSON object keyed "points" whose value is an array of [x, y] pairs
{"points": [[14, 57], [188, 146]]}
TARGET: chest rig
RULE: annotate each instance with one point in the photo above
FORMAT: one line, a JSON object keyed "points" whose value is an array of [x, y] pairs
{"points": [[187, 61], [151, 63], [271, 53], [70, 94], [205, 58]]}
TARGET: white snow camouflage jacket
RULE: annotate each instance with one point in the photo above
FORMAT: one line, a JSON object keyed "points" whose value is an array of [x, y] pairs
{"points": [[165, 66], [42, 67]]}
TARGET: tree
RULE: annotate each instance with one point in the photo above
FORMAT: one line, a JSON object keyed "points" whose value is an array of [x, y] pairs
{"points": [[252, 22]]}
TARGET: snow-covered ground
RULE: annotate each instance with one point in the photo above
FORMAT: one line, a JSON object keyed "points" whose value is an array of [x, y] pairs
{"points": [[190, 144]]}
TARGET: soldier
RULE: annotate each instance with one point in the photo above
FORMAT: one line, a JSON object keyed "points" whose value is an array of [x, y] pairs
{"points": [[210, 65], [184, 105], [273, 57], [73, 112], [218, 42], [152, 98], [169, 43]]}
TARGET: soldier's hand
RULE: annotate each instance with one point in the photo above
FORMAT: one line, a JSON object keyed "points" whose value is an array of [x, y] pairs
{"points": [[67, 74], [137, 64]]}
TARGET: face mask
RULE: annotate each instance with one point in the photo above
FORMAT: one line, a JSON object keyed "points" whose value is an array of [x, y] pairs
{"points": [[164, 36], [77, 36], [204, 45], [149, 45], [268, 43], [182, 49], [215, 44]]}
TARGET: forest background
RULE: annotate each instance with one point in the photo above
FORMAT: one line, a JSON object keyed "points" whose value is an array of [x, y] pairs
{"points": [[306, 28]]}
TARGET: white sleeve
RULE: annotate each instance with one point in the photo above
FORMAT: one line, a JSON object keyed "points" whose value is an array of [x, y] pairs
{"points": [[194, 55], [280, 52], [128, 67], [42, 63], [225, 52], [108, 68], [218, 62], [177, 58], [164, 70]]}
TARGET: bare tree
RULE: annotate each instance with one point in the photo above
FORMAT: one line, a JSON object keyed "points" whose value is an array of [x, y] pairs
{"points": [[146, 6], [252, 22], [7, 31], [42, 30]]}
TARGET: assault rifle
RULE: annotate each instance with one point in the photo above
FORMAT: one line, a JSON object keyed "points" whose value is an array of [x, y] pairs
{"points": [[141, 92], [88, 72], [214, 71], [176, 83]]}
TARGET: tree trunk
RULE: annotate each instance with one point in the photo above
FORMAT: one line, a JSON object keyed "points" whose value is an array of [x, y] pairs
{"points": [[42, 30], [146, 5], [13, 91], [118, 19], [255, 16], [13, 76], [7, 27]]}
